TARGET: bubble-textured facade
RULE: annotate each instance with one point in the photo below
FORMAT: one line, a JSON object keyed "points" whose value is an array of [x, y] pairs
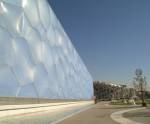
{"points": [[37, 59]]}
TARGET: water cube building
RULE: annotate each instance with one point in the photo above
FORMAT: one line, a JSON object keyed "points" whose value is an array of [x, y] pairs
{"points": [[37, 58]]}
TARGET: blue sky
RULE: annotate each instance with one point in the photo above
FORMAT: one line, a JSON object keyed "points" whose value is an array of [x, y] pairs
{"points": [[111, 36]]}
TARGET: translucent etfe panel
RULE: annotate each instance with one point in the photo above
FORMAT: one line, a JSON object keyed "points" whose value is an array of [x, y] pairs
{"points": [[3, 23], [54, 82], [53, 88], [47, 55], [60, 72], [23, 66], [60, 41], [33, 16], [41, 80], [70, 83], [51, 36], [28, 91], [8, 82], [44, 13], [34, 41], [6, 47], [61, 37], [53, 18], [12, 15], [55, 54], [24, 26], [17, 3], [64, 65], [52, 72]]}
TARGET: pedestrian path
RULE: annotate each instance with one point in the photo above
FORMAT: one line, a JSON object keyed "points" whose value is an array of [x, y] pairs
{"points": [[141, 116], [118, 116], [99, 114]]}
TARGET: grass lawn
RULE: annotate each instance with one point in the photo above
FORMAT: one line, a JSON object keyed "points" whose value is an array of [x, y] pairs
{"points": [[126, 102]]}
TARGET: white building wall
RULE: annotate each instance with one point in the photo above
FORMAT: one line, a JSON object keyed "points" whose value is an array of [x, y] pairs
{"points": [[37, 59]]}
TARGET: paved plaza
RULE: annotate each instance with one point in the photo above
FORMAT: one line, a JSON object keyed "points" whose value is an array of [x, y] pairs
{"points": [[100, 113]]}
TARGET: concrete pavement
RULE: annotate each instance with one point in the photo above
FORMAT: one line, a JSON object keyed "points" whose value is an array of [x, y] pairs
{"points": [[99, 114], [11, 110], [141, 116], [118, 116], [96, 114], [40, 113]]}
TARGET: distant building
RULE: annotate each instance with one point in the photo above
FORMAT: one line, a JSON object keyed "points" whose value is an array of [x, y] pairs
{"points": [[109, 91]]}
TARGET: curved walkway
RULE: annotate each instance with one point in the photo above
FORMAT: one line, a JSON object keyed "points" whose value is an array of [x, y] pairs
{"points": [[142, 116], [118, 116]]}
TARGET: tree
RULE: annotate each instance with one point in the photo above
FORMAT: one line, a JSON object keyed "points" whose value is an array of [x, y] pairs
{"points": [[140, 84]]}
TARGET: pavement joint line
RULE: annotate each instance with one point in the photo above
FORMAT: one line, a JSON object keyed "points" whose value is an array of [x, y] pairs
{"points": [[118, 116], [74, 113]]}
